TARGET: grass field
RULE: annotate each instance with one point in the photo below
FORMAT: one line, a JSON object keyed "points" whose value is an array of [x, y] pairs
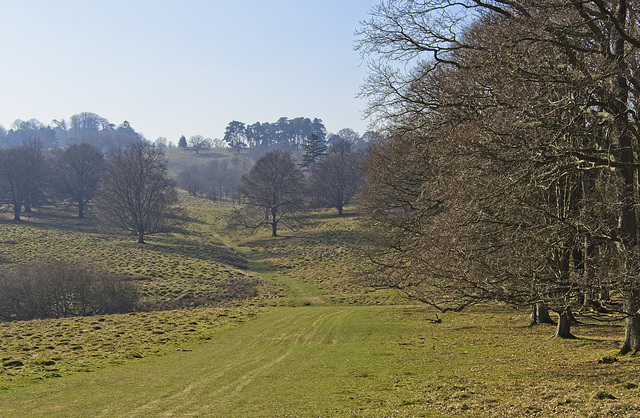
{"points": [[313, 343], [357, 361]]}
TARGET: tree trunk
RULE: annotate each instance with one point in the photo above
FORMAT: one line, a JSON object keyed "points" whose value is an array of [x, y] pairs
{"points": [[627, 221], [140, 235], [16, 213], [80, 210], [632, 335], [540, 314], [339, 210], [564, 325], [631, 325], [274, 224]]}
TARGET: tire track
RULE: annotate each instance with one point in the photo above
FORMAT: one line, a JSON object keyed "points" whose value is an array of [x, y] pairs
{"points": [[252, 357]]}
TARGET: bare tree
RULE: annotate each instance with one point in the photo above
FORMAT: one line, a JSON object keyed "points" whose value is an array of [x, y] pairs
{"points": [[160, 142], [77, 172], [274, 193], [136, 194], [192, 180], [198, 142], [22, 172], [336, 179]]}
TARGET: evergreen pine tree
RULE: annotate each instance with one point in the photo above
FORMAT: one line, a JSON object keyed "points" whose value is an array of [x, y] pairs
{"points": [[314, 148]]}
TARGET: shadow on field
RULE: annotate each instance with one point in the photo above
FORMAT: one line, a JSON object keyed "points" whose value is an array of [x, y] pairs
{"points": [[310, 238], [66, 221], [219, 253]]}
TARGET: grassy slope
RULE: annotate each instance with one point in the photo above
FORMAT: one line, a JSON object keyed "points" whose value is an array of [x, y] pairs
{"points": [[180, 158], [168, 266], [332, 358]]}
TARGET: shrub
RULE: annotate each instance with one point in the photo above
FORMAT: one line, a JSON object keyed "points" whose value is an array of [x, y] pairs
{"points": [[58, 289]]}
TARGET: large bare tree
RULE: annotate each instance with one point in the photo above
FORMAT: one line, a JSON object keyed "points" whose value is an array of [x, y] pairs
{"points": [[76, 171], [199, 142], [336, 179], [274, 193], [22, 176], [136, 193]]}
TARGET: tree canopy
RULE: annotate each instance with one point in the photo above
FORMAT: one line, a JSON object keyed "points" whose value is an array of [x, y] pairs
{"points": [[287, 131], [510, 166]]}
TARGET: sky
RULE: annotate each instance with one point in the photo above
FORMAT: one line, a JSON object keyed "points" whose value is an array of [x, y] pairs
{"points": [[182, 67]]}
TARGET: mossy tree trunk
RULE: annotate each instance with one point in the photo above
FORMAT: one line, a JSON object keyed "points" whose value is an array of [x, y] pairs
{"points": [[564, 324], [540, 314], [631, 325]]}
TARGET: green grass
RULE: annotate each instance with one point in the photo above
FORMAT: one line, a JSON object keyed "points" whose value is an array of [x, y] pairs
{"points": [[358, 361], [179, 159], [188, 263], [326, 255], [313, 343], [42, 349]]}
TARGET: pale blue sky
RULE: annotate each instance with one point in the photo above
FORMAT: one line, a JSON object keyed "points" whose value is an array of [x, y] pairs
{"points": [[182, 67]]}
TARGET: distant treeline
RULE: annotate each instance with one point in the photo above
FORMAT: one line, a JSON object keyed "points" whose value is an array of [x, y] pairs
{"points": [[90, 128], [285, 132], [84, 127]]}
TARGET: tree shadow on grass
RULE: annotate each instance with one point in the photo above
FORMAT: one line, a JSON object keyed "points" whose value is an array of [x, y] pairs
{"points": [[61, 221], [323, 238], [219, 253]]}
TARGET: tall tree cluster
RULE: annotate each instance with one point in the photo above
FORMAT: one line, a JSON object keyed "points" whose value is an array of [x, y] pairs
{"points": [[510, 168], [285, 131], [218, 179]]}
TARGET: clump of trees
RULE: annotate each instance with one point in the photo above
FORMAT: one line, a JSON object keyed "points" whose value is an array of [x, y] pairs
{"points": [[509, 169], [85, 127], [57, 289], [277, 191], [22, 176], [284, 132], [217, 179], [131, 189]]}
